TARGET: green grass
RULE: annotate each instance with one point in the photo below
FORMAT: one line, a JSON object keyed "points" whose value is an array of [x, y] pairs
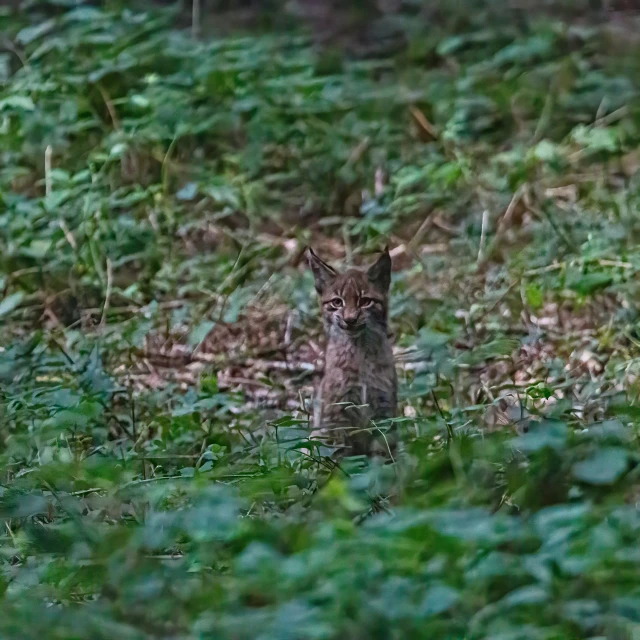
{"points": [[159, 336]]}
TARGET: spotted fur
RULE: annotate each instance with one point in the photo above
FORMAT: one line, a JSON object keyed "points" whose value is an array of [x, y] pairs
{"points": [[359, 385]]}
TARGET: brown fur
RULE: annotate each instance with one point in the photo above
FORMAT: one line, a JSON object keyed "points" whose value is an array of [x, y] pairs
{"points": [[359, 385]]}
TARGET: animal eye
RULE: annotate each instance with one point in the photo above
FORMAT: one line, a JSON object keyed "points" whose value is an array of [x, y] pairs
{"points": [[337, 302], [366, 302]]}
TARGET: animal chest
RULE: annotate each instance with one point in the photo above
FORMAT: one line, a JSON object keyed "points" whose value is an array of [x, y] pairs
{"points": [[364, 392]]}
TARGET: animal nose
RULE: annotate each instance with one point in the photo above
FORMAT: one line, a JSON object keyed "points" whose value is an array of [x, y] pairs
{"points": [[351, 320]]}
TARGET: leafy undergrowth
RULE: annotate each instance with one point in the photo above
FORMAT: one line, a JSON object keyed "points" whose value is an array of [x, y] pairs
{"points": [[159, 337]]}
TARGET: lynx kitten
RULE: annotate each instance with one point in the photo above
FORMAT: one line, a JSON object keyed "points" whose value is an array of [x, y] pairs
{"points": [[359, 386]]}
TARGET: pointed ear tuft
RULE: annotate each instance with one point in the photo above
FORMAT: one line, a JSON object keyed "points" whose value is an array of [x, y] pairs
{"points": [[379, 273], [323, 274]]}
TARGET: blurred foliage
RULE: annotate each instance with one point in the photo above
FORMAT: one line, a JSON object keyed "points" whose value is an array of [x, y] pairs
{"points": [[150, 180]]}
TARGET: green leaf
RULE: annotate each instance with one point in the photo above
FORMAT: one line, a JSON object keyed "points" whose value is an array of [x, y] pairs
{"points": [[545, 151], [118, 149], [540, 436], [523, 51], [591, 282], [10, 303], [550, 520], [585, 613], [531, 595], [475, 524], [534, 296], [37, 248], [17, 505], [491, 349], [609, 430], [431, 339], [22, 103], [31, 34], [438, 599], [604, 467], [188, 192], [200, 331], [596, 138]]}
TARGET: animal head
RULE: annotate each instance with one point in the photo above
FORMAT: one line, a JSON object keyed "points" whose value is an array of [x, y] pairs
{"points": [[355, 300]]}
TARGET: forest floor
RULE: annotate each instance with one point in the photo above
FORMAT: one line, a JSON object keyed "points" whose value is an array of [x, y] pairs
{"points": [[160, 338]]}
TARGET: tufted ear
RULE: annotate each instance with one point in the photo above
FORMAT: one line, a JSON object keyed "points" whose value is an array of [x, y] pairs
{"points": [[323, 274], [379, 273]]}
